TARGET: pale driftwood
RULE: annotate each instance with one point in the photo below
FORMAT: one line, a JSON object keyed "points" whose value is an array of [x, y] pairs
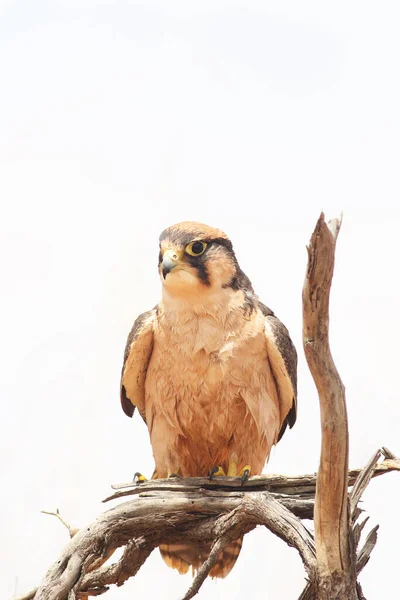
{"points": [[71, 530], [387, 453], [217, 512], [144, 523], [291, 485], [260, 509], [361, 483], [203, 572], [336, 567], [187, 510], [365, 552]]}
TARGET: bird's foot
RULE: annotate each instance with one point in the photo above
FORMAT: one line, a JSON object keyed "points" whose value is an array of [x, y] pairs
{"points": [[216, 472], [244, 474], [139, 478], [174, 475]]}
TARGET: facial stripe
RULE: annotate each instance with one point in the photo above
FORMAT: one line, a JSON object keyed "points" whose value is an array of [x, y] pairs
{"points": [[181, 235], [201, 267]]}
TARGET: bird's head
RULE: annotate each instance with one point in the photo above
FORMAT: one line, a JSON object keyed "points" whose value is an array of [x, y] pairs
{"points": [[196, 259]]}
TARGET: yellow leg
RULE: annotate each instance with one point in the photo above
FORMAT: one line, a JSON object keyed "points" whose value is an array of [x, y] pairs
{"points": [[139, 478]]}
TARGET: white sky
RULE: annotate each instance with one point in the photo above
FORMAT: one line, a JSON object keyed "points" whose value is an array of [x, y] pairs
{"points": [[118, 119]]}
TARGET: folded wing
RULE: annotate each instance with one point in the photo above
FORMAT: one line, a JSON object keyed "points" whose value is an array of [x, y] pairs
{"points": [[282, 356], [138, 350]]}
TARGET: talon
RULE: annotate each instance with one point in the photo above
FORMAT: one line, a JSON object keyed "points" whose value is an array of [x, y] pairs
{"points": [[139, 478], [172, 475], [244, 474], [216, 472]]}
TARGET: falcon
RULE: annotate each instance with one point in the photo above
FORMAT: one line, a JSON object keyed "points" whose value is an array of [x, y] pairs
{"points": [[211, 370]]}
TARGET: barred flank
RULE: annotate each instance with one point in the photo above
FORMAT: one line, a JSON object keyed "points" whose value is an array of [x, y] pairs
{"points": [[183, 556]]}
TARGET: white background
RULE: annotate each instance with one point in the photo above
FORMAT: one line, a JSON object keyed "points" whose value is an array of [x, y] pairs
{"points": [[119, 119]]}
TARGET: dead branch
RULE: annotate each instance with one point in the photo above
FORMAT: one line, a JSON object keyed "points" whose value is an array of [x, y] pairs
{"points": [[145, 523], [336, 569], [365, 552], [206, 567], [387, 453], [217, 512], [188, 511], [71, 530], [298, 486], [362, 481]]}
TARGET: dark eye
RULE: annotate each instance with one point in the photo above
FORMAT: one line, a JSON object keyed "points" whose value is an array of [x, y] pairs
{"points": [[196, 248]]}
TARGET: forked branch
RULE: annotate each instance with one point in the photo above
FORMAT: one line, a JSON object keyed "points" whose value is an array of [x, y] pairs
{"points": [[167, 510], [196, 510]]}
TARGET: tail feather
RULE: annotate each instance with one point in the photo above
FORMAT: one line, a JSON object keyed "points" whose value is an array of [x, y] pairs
{"points": [[226, 559], [184, 556]]}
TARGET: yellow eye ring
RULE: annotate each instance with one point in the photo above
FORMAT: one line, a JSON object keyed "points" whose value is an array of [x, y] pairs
{"points": [[196, 248]]}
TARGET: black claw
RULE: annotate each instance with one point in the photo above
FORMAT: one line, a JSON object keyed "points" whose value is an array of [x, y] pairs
{"points": [[138, 477], [245, 476], [174, 475], [212, 473]]}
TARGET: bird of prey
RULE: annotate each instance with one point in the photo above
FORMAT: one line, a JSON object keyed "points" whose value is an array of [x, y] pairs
{"points": [[211, 370]]}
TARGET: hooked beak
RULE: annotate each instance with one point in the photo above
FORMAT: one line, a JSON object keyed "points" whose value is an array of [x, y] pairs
{"points": [[169, 262]]}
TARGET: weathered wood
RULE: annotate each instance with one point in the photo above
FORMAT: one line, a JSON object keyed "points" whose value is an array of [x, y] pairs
{"points": [[165, 515], [336, 568], [291, 485], [144, 523], [219, 511], [357, 530], [362, 481], [219, 544], [387, 453], [71, 530], [365, 552]]}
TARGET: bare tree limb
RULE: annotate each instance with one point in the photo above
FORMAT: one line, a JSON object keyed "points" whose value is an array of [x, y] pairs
{"points": [[365, 552], [336, 572], [388, 454], [196, 514], [71, 530], [362, 481], [206, 567], [295, 485], [357, 530], [232, 526], [289, 528], [144, 523], [217, 512]]}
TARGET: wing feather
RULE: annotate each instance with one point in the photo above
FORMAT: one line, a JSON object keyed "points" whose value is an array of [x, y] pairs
{"points": [[283, 359], [138, 350]]}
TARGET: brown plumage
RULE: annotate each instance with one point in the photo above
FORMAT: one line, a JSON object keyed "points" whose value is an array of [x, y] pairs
{"points": [[211, 370]]}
